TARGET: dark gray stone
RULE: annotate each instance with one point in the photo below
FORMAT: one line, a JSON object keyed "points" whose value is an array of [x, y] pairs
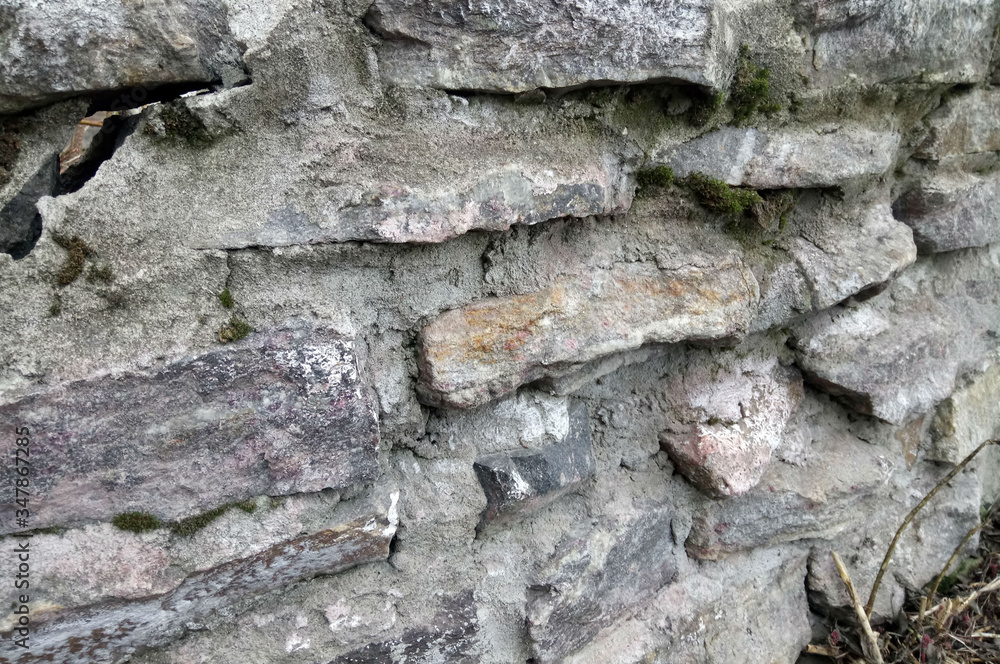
{"points": [[591, 582], [952, 211], [276, 414], [20, 221], [448, 639], [527, 480], [110, 632]]}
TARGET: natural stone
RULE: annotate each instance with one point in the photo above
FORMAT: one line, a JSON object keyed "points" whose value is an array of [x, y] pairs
{"points": [[20, 221], [525, 480], [818, 499], [851, 40], [449, 638], [480, 352], [786, 158], [64, 48], [951, 211], [967, 418], [966, 123], [282, 413], [514, 45], [591, 582], [112, 631], [740, 414], [901, 352]]}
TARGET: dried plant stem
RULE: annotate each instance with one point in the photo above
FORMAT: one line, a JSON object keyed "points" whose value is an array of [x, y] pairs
{"points": [[872, 650], [909, 517], [958, 550]]}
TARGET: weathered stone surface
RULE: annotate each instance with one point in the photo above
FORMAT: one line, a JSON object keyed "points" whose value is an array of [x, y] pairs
{"points": [[966, 123], [843, 250], [526, 480], [450, 638], [480, 352], [920, 554], [951, 211], [65, 48], [900, 352], [820, 498], [276, 414], [517, 45], [739, 414], [591, 582], [935, 41], [786, 158], [967, 418], [753, 603], [111, 631]]}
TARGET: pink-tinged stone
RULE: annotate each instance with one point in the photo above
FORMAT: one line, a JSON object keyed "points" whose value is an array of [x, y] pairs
{"points": [[278, 413], [952, 211], [112, 631], [480, 352], [741, 414]]}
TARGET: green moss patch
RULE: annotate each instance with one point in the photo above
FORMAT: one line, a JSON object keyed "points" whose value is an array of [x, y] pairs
{"points": [[751, 90], [226, 298], [719, 196], [193, 524], [654, 178], [77, 253], [237, 328], [704, 106], [136, 522]]}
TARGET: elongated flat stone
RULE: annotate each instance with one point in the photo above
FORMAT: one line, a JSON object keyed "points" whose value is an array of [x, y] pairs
{"points": [[480, 352], [63, 48], [591, 582], [275, 414], [111, 631], [524, 481], [786, 158], [518, 45], [952, 211]]}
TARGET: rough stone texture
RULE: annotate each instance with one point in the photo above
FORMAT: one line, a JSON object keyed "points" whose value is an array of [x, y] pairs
{"points": [[113, 630], [738, 421], [900, 352], [935, 41], [802, 157], [966, 123], [526, 480], [514, 45], [349, 188], [276, 414], [591, 582], [67, 48], [919, 556], [819, 499], [475, 354], [967, 418], [952, 211], [448, 638]]}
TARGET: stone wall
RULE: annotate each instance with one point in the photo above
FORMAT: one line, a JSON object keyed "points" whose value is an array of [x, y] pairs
{"points": [[438, 331]]}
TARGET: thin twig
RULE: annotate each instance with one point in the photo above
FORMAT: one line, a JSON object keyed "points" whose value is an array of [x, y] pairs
{"points": [[872, 651], [958, 549], [909, 517]]}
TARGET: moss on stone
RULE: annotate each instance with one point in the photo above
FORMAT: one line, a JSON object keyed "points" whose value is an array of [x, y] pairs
{"points": [[226, 298], [180, 123], [136, 522], [56, 307], [719, 196], [237, 328], [654, 178], [77, 252], [704, 106], [751, 89], [101, 274], [193, 524]]}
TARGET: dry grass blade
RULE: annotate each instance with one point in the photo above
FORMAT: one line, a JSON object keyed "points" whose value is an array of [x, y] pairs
{"points": [[909, 517], [870, 644]]}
